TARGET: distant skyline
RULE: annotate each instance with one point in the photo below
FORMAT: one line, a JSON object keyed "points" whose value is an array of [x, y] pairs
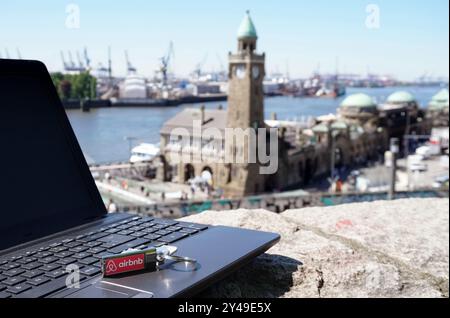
{"points": [[407, 39]]}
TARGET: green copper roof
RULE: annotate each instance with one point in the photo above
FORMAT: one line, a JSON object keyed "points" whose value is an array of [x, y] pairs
{"points": [[339, 125], [401, 97], [320, 128], [440, 100], [442, 96], [247, 28], [358, 100]]}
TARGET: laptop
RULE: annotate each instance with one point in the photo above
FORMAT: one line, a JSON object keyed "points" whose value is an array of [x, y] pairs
{"points": [[52, 214]]}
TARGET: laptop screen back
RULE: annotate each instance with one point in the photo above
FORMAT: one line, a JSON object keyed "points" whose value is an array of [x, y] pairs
{"points": [[42, 186]]}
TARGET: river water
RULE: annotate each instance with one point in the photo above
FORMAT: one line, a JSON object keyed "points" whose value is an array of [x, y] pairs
{"points": [[105, 134]]}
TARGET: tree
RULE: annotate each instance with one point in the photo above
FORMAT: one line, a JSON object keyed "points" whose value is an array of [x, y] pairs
{"points": [[79, 86], [65, 89]]}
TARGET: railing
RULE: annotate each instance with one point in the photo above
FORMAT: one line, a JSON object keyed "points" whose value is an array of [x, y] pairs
{"points": [[276, 202]]}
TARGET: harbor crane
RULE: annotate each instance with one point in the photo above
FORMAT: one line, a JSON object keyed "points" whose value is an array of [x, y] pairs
{"points": [[199, 66], [130, 68], [19, 56], [70, 66], [80, 63], [165, 61], [87, 59]]}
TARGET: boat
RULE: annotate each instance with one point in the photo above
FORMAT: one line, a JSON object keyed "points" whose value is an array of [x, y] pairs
{"points": [[144, 152]]}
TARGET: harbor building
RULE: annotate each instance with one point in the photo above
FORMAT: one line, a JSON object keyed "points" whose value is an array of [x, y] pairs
{"points": [[359, 132]]}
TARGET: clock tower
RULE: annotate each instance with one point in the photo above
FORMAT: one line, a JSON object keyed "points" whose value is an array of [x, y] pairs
{"points": [[246, 75]]}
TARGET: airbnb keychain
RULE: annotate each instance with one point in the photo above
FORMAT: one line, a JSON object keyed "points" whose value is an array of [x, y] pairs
{"points": [[139, 260]]}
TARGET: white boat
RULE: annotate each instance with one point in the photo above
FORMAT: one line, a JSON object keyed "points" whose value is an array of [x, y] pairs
{"points": [[144, 152]]}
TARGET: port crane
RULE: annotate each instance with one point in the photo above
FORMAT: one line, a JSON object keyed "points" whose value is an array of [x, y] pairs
{"points": [[70, 66], [199, 66], [130, 68], [165, 61]]}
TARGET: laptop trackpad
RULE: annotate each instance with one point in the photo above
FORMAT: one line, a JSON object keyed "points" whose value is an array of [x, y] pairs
{"points": [[104, 290]]}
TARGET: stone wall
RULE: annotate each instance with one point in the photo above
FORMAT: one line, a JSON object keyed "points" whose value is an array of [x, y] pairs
{"points": [[380, 249]]}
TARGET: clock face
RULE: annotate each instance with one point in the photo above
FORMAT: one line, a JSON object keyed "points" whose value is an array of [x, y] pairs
{"points": [[240, 71], [255, 72]]}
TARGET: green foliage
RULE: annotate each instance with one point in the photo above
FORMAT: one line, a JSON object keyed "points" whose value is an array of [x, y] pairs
{"points": [[77, 86]]}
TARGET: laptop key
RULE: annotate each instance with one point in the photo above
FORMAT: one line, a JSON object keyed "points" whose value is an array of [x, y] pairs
{"points": [[139, 234], [93, 244], [96, 250], [132, 244], [17, 289], [172, 237], [50, 267], [31, 266], [2, 277], [79, 249], [98, 236], [9, 266], [163, 232], [66, 261], [4, 295], [81, 255], [13, 281], [112, 231], [188, 231], [48, 260], [46, 288], [36, 281], [14, 272], [56, 273], [125, 232], [152, 237], [101, 255], [88, 261], [32, 274], [43, 254], [90, 270], [58, 249], [64, 254], [26, 260]]}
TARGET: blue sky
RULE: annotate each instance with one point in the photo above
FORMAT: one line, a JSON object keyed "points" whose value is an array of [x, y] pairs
{"points": [[413, 37]]}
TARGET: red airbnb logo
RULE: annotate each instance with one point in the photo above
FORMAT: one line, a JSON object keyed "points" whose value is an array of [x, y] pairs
{"points": [[124, 264]]}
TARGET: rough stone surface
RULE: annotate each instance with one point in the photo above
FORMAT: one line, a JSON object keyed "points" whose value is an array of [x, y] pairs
{"points": [[379, 249]]}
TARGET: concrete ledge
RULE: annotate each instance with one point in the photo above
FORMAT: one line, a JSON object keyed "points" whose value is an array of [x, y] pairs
{"points": [[380, 249]]}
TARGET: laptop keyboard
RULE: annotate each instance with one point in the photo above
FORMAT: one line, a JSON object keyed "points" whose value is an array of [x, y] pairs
{"points": [[40, 272]]}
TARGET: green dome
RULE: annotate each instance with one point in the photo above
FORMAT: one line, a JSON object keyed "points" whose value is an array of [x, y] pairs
{"points": [[442, 96], [358, 100], [401, 98], [247, 28], [440, 100]]}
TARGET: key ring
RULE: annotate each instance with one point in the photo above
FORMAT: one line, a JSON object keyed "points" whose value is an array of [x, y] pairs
{"points": [[180, 259]]}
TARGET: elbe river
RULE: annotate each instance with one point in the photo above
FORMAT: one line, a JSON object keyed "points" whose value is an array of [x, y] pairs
{"points": [[104, 134]]}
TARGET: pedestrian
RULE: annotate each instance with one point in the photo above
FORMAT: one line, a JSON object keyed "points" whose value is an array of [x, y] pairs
{"points": [[163, 196], [112, 206]]}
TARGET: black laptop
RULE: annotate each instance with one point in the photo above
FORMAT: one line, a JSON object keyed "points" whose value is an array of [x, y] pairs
{"points": [[52, 214]]}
